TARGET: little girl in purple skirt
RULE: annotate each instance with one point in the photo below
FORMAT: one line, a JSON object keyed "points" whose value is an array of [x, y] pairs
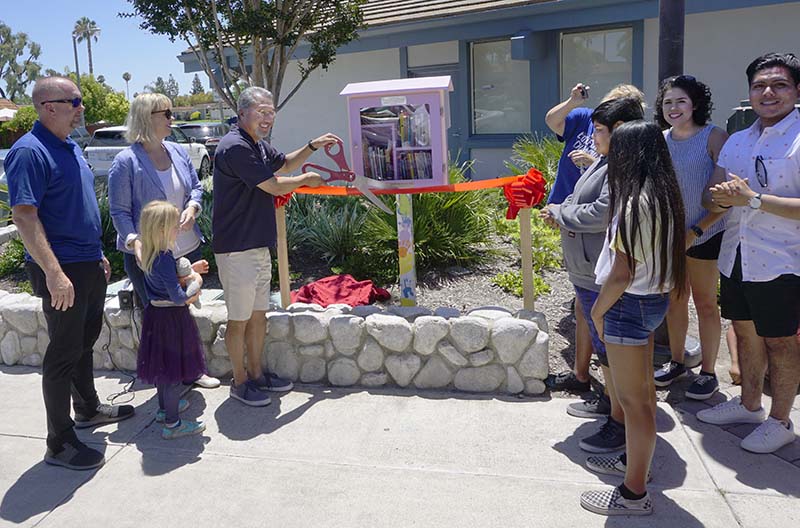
{"points": [[170, 349]]}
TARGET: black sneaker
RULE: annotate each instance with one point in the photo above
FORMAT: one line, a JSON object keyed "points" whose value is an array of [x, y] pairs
{"points": [[567, 381], [610, 438], [669, 372], [597, 407], [74, 454], [703, 387], [105, 414]]}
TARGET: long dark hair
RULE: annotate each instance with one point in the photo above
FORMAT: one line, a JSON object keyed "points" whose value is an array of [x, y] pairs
{"points": [[639, 164], [698, 93]]}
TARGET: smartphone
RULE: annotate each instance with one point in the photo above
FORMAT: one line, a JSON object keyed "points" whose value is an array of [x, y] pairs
{"points": [[584, 92]]}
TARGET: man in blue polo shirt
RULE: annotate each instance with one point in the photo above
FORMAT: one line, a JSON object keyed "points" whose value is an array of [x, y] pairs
{"points": [[51, 192], [243, 224]]}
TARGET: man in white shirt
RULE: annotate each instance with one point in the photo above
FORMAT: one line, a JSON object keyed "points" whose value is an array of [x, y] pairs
{"points": [[758, 180]]}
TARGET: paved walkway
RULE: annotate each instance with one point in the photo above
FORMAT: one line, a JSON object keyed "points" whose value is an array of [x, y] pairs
{"points": [[320, 457]]}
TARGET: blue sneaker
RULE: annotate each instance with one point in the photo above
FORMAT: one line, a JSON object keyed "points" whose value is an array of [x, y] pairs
{"points": [[249, 394], [161, 415], [184, 428], [271, 382]]}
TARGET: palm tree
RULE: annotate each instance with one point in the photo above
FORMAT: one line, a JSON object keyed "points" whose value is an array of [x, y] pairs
{"points": [[127, 77], [86, 29]]}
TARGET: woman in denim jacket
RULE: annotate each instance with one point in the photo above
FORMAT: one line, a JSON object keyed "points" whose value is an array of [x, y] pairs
{"points": [[154, 169]]}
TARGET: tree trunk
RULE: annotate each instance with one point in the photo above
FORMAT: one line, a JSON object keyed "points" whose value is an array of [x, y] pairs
{"points": [[671, 20], [89, 47]]}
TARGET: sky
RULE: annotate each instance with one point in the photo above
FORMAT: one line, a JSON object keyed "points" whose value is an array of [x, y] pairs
{"points": [[121, 45]]}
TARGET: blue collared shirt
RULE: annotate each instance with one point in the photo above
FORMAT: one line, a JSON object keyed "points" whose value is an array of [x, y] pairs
{"points": [[51, 174]]}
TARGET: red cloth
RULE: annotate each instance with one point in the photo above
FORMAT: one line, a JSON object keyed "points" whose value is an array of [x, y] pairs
{"points": [[340, 289]]}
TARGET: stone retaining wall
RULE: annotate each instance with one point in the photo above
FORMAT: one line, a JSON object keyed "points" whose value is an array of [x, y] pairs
{"points": [[487, 350]]}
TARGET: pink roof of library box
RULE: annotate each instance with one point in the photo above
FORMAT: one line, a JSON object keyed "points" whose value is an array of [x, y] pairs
{"points": [[399, 86]]}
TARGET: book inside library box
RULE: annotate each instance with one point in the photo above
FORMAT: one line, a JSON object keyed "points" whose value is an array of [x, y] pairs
{"points": [[396, 142]]}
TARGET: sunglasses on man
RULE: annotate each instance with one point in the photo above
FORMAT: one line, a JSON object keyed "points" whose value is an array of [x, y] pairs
{"points": [[167, 113], [75, 102]]}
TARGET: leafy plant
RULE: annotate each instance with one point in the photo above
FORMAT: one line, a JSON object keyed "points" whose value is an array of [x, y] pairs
{"points": [[546, 244], [109, 234], [329, 227], [541, 152], [26, 287], [449, 229], [511, 282], [12, 258]]}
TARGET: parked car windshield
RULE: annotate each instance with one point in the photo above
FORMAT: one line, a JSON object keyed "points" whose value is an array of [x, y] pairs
{"points": [[198, 132], [177, 136], [109, 138]]}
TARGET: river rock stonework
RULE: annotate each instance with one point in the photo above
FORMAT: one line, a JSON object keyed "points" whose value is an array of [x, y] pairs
{"points": [[489, 351]]}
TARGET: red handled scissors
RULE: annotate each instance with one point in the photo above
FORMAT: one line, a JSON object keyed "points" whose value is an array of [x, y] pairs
{"points": [[345, 174]]}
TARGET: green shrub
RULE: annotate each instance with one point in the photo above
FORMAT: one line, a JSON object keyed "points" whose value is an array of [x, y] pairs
{"points": [[204, 222], [546, 245], [511, 282], [109, 235], [449, 229], [18, 125], [26, 287], [194, 116], [13, 258], [328, 227], [541, 152]]}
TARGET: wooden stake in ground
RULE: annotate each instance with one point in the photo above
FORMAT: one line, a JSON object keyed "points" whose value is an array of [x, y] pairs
{"points": [[283, 257], [526, 248]]}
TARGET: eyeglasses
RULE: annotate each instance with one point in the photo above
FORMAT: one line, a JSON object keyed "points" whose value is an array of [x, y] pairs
{"points": [[684, 78], [75, 102], [761, 171], [167, 113]]}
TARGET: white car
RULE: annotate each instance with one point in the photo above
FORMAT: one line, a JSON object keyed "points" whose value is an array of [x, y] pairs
{"points": [[107, 142]]}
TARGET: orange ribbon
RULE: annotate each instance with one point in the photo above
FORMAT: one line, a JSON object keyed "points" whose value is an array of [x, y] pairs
{"points": [[332, 190], [524, 193]]}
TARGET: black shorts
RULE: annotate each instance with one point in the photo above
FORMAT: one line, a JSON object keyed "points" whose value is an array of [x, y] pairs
{"points": [[774, 306], [708, 250]]}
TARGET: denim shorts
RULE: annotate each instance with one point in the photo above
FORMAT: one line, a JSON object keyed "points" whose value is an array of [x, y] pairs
{"points": [[587, 299], [634, 317]]}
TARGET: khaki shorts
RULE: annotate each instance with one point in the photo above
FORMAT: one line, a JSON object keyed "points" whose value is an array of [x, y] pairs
{"points": [[245, 277]]}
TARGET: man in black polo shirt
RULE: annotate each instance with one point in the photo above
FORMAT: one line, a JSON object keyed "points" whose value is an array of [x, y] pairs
{"points": [[51, 190], [245, 182]]}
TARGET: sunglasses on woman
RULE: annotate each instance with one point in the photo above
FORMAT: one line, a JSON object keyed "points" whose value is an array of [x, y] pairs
{"points": [[167, 113]]}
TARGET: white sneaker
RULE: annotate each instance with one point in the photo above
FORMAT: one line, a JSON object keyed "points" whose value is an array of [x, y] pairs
{"points": [[769, 437], [207, 382], [731, 412]]}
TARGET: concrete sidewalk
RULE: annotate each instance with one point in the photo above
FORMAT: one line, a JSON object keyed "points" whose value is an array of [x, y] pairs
{"points": [[357, 458]]}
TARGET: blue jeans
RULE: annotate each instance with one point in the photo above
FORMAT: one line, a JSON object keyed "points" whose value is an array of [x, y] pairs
{"points": [[136, 275], [587, 299], [634, 317]]}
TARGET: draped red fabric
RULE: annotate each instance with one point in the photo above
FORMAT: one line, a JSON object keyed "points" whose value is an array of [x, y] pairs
{"points": [[340, 289]]}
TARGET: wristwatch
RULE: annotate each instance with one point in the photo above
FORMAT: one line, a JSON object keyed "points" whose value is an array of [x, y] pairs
{"points": [[697, 230], [755, 202], [311, 146]]}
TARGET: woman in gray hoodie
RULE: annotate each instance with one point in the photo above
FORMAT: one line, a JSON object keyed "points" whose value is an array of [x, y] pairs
{"points": [[583, 220]]}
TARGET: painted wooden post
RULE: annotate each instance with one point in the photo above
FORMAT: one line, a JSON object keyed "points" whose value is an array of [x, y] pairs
{"points": [[405, 244], [283, 257], [526, 248]]}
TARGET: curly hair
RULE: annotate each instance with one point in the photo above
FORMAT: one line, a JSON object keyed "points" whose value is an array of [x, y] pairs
{"points": [[698, 92]]}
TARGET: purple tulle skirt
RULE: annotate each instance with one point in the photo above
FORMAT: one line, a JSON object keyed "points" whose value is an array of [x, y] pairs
{"points": [[170, 350]]}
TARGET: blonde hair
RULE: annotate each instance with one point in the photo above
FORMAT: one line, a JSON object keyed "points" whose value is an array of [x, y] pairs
{"points": [[156, 223], [139, 121], [625, 90]]}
